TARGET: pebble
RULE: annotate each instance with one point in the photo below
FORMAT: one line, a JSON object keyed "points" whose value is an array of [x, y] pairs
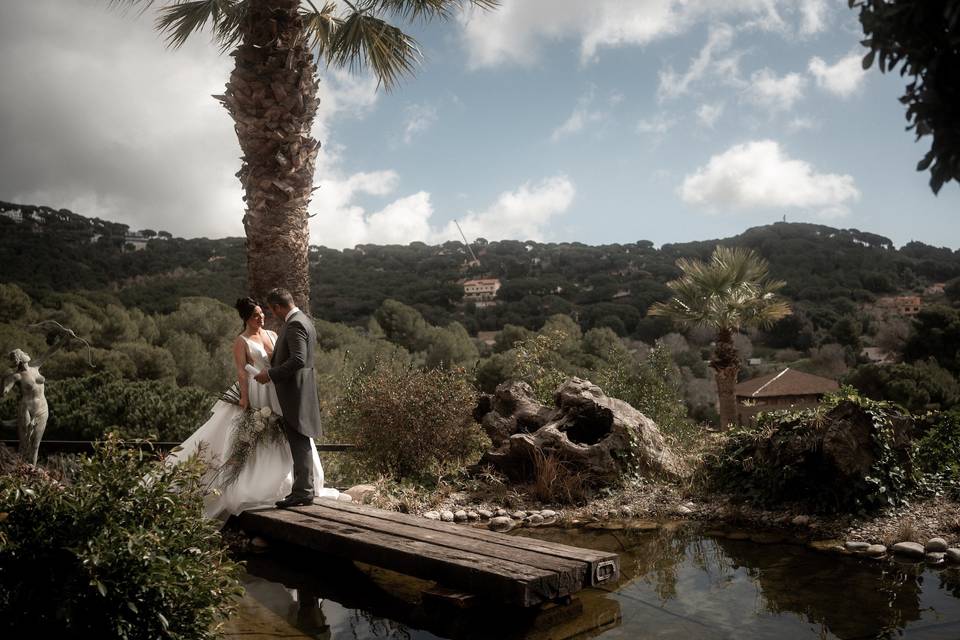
{"points": [[534, 520], [626, 511], [683, 510], [875, 550], [689, 505], [446, 516], [432, 515], [460, 516], [953, 554], [518, 515], [484, 514], [935, 557], [361, 492], [501, 513], [801, 521], [345, 497], [935, 545], [472, 516], [500, 523], [852, 545], [908, 549]]}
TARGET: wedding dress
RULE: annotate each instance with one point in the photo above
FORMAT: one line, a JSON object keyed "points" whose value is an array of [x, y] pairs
{"points": [[267, 475]]}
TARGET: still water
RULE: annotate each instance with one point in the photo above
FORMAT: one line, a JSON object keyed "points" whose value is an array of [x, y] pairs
{"points": [[677, 582]]}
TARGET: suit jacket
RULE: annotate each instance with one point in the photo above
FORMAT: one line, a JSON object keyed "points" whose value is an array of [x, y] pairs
{"points": [[291, 369]]}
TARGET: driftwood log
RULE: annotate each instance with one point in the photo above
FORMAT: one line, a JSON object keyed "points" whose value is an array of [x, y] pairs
{"points": [[598, 437]]}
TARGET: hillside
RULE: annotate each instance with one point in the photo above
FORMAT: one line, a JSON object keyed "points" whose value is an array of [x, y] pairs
{"points": [[829, 272]]}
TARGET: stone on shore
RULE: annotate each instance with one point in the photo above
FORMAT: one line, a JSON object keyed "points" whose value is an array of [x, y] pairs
{"points": [[432, 515], [953, 555], [935, 545], [501, 524], [875, 550], [446, 516], [909, 550], [361, 493], [855, 546]]}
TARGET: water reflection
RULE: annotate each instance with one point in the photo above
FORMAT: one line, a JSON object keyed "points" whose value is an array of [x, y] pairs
{"points": [[676, 583]]}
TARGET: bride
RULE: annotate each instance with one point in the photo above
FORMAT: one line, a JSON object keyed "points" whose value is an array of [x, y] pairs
{"points": [[267, 474]]}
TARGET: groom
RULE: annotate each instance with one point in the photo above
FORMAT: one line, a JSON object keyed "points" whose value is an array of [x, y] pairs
{"points": [[291, 370]]}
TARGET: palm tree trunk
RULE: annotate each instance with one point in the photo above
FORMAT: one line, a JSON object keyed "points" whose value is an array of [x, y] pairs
{"points": [[726, 364], [272, 98]]}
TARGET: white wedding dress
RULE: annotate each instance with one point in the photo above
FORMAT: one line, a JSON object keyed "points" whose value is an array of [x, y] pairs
{"points": [[267, 475]]}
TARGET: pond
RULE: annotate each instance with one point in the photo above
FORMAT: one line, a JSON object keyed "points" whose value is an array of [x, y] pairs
{"points": [[677, 582]]}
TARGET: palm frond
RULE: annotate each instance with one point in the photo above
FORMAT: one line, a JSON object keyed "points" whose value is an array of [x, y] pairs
{"points": [[181, 20], [361, 40], [320, 25], [426, 9]]}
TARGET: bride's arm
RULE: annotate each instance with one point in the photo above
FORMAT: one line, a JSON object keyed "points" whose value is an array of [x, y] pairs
{"points": [[240, 360]]}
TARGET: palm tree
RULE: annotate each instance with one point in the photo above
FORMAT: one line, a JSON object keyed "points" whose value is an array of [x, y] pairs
{"points": [[272, 98], [731, 291]]}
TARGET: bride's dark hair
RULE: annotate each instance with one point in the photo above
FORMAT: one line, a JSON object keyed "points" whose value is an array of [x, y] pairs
{"points": [[245, 307]]}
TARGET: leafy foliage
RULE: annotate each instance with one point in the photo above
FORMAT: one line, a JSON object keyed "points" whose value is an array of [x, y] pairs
{"points": [[121, 552], [410, 423], [920, 36]]}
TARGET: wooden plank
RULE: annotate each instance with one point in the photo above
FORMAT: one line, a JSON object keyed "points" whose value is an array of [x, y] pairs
{"points": [[498, 579], [594, 559], [571, 574]]}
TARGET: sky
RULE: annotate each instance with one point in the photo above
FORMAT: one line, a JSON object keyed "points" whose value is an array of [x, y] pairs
{"points": [[609, 121]]}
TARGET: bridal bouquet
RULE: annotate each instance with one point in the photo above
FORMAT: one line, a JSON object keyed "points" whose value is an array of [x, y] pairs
{"points": [[252, 428]]}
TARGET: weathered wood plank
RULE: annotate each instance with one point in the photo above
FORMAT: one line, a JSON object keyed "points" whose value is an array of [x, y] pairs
{"points": [[502, 580], [592, 557], [571, 574]]}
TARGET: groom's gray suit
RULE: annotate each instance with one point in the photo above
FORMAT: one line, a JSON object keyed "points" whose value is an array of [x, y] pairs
{"points": [[291, 370]]}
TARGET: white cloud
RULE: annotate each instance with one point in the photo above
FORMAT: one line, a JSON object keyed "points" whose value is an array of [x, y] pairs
{"points": [[773, 92], [802, 123], [582, 116], [522, 214], [843, 78], [813, 16], [658, 124], [515, 32], [759, 175], [708, 114], [673, 84], [419, 118]]}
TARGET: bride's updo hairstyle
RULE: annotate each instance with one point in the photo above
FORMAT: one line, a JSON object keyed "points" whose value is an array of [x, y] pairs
{"points": [[245, 307]]}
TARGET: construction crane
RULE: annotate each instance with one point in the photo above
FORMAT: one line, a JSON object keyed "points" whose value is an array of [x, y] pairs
{"points": [[469, 248]]}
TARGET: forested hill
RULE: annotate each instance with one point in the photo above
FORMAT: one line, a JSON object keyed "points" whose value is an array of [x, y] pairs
{"points": [[829, 272]]}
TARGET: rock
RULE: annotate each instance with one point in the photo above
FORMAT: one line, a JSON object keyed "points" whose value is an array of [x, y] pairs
{"points": [[689, 505], [432, 515], [361, 493], [908, 550], [953, 555], [501, 513], [345, 497], [626, 511], [830, 546], [548, 514], [518, 515], [852, 545], [935, 557], [259, 543], [472, 516], [800, 521], [534, 520], [446, 516], [587, 431], [875, 550], [458, 497], [500, 523], [935, 545], [683, 510], [460, 516], [484, 514]]}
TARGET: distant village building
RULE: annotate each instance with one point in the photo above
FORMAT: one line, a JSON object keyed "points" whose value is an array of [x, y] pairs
{"points": [[482, 291], [877, 355], [902, 305], [935, 289], [488, 338], [136, 241], [14, 214], [787, 389]]}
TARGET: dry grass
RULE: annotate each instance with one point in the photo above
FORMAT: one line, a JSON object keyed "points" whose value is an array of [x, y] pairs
{"points": [[553, 482], [906, 531]]}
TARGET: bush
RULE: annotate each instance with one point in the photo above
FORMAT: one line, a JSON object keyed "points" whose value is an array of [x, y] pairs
{"points": [[88, 408], [409, 423], [938, 449], [109, 556]]}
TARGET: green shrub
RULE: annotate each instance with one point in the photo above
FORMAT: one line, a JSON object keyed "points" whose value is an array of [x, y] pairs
{"points": [[88, 408], [111, 556], [938, 449], [409, 423]]}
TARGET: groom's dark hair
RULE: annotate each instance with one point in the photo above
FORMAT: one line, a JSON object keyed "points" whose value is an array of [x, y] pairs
{"points": [[280, 297]]}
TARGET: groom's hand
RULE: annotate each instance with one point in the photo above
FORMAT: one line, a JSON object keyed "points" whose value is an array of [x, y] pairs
{"points": [[263, 377]]}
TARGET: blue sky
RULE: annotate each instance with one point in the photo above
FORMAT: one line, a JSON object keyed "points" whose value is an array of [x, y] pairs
{"points": [[608, 121]]}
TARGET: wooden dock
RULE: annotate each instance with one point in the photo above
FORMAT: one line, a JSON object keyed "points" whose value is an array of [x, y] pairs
{"points": [[493, 566]]}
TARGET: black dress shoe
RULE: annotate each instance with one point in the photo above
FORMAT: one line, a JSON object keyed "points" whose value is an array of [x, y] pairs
{"points": [[290, 501]]}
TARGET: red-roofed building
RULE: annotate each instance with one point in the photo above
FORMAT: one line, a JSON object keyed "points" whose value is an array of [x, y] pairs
{"points": [[787, 389]]}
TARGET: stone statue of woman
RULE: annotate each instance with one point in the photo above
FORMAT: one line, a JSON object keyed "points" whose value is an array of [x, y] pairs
{"points": [[32, 411]]}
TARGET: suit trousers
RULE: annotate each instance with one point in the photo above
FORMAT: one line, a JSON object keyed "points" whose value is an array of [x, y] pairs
{"points": [[302, 462]]}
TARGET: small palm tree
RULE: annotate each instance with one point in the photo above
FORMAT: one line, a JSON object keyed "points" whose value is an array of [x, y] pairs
{"points": [[731, 291], [272, 98]]}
